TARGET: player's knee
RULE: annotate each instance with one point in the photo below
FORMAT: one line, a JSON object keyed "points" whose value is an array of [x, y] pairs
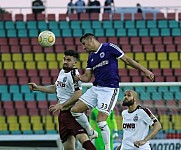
{"points": [[102, 124], [74, 110], [82, 138], [76, 114]]}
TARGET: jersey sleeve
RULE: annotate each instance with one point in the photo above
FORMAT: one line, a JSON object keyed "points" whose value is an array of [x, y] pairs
{"points": [[88, 63], [115, 50], [77, 84], [148, 117]]}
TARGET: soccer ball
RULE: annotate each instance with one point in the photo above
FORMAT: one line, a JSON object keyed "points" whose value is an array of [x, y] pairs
{"points": [[46, 38]]}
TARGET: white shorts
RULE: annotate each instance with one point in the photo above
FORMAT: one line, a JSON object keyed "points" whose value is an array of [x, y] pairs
{"points": [[103, 98]]}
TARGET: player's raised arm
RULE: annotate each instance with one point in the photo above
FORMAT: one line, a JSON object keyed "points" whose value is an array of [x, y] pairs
{"points": [[46, 89], [129, 61]]}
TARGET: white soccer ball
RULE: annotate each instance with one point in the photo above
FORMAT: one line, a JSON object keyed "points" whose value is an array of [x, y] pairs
{"points": [[46, 38]]}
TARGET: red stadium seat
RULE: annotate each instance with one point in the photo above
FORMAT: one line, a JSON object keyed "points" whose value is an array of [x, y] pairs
{"points": [[59, 41], [35, 80], [22, 112], [127, 16], [178, 48], [77, 41], [23, 80], [138, 16], [160, 16], [157, 72], [5, 49], [159, 79], [19, 104], [37, 49], [73, 17], [135, 40], [171, 16], [19, 17], [2, 73], [113, 40], [126, 48], [21, 73], [7, 17], [26, 49], [32, 73], [123, 72], [134, 72], [145, 40], [137, 48], [10, 112], [13, 41], [4, 41], [49, 49], [168, 40], [59, 48], [69, 41], [24, 41], [125, 79], [41, 17], [44, 73], [170, 79], [46, 80], [123, 40], [15, 49], [34, 41], [31, 104], [43, 104], [30, 17], [106, 16], [51, 17], [136, 79], [10, 73], [148, 103], [94, 16], [177, 72], [44, 112], [170, 48], [3, 81], [33, 112], [102, 39], [8, 105], [177, 40], [116, 16], [12, 80], [62, 17], [84, 16], [80, 49], [148, 48], [159, 48], [157, 40], [167, 72], [149, 16], [54, 72]]}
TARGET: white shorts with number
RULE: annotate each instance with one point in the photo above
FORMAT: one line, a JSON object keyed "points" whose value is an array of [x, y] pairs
{"points": [[103, 98]]}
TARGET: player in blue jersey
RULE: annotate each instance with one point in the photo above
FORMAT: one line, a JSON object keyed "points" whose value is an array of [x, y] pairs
{"points": [[103, 63]]}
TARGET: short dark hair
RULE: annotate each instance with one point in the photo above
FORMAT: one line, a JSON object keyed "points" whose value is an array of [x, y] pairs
{"points": [[87, 35], [71, 53]]}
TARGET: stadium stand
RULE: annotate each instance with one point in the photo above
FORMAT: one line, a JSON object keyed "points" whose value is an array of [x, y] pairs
{"points": [[155, 42]]}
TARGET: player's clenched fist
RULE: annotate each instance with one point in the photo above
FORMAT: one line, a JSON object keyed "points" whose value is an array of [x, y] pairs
{"points": [[33, 86]]}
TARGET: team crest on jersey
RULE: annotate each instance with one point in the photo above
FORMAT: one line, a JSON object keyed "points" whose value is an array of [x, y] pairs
{"points": [[64, 79], [135, 118], [102, 54]]}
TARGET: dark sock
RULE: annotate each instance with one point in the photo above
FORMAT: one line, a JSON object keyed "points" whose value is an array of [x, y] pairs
{"points": [[88, 145]]}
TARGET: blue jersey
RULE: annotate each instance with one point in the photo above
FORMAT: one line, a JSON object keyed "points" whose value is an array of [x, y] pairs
{"points": [[104, 65]]}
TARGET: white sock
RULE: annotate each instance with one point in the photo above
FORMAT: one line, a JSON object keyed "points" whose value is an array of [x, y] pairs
{"points": [[105, 131], [81, 118]]}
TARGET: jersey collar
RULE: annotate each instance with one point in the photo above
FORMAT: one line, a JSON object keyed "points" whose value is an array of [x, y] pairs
{"points": [[98, 49]]}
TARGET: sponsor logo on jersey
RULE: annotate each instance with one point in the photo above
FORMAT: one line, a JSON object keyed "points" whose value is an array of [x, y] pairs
{"points": [[105, 62], [135, 118], [102, 54], [129, 125]]}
